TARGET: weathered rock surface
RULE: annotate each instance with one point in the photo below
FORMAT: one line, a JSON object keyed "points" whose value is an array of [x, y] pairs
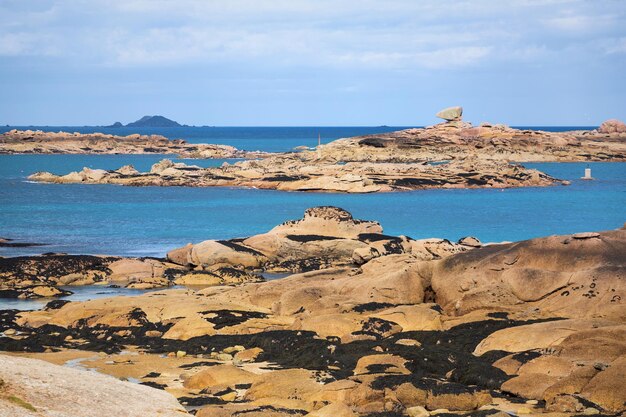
{"points": [[39, 142], [451, 114], [31, 387], [561, 276], [612, 126], [468, 328], [324, 237], [457, 140], [298, 172]]}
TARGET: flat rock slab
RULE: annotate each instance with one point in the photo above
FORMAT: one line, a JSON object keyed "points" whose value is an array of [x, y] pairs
{"points": [[36, 388], [586, 235]]}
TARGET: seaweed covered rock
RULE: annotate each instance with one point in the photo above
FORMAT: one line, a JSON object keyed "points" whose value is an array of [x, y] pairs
{"points": [[324, 237], [32, 276], [422, 326]]}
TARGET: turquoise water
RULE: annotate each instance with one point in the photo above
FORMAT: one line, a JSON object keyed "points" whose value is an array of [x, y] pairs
{"points": [[270, 139], [79, 293], [148, 221]]}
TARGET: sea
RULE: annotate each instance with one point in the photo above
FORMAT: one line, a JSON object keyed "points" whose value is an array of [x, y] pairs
{"points": [[149, 221]]}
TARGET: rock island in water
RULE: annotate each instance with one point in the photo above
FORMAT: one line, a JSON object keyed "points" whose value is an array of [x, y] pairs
{"points": [[453, 154]]}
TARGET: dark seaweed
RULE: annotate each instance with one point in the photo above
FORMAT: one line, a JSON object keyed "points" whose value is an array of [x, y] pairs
{"points": [[227, 318], [361, 308], [310, 238]]}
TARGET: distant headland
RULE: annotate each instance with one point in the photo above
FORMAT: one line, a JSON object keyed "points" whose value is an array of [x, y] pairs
{"points": [[149, 121]]}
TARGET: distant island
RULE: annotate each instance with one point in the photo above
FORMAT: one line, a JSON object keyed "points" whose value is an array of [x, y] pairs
{"points": [[150, 121]]}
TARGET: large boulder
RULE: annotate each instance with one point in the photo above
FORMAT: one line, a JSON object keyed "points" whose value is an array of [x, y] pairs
{"points": [[32, 387], [612, 126], [451, 113], [212, 253], [562, 276]]}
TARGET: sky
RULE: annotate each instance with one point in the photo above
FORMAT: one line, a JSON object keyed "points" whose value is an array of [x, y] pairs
{"points": [[312, 62]]}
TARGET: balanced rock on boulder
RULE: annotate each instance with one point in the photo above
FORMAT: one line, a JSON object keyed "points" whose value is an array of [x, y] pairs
{"points": [[451, 114]]}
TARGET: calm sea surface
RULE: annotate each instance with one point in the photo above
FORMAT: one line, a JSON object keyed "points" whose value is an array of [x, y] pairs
{"points": [[148, 221]]}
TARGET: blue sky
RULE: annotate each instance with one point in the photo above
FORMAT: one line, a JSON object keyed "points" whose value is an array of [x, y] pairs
{"points": [[312, 62]]}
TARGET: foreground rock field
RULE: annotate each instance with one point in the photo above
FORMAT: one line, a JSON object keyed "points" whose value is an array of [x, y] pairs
{"points": [[366, 325]]}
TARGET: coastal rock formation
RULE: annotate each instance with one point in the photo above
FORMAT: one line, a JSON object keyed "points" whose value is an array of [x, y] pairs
{"points": [[457, 140], [562, 276], [294, 173], [451, 114], [38, 276], [324, 237], [612, 126], [453, 154], [39, 142], [525, 327], [30, 387]]}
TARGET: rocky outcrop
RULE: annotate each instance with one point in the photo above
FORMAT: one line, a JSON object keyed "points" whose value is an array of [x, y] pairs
{"points": [[612, 126], [39, 142], [453, 154], [525, 327], [37, 276], [30, 387], [580, 275], [294, 173], [324, 237], [456, 140]]}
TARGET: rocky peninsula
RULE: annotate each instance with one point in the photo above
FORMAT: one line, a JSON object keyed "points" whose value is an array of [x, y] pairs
{"points": [[367, 325], [40, 142], [453, 154]]}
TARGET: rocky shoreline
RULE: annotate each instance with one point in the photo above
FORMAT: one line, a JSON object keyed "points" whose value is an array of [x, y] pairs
{"points": [[39, 142], [453, 154], [292, 173], [368, 325]]}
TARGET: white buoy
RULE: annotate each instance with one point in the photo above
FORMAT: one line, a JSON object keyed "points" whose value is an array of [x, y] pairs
{"points": [[587, 174]]}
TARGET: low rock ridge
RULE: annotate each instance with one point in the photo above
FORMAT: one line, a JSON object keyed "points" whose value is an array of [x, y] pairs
{"points": [[39, 142], [293, 172], [457, 139], [527, 327]]}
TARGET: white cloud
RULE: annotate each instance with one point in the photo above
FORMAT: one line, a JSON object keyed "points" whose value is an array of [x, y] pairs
{"points": [[616, 46], [395, 34]]}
